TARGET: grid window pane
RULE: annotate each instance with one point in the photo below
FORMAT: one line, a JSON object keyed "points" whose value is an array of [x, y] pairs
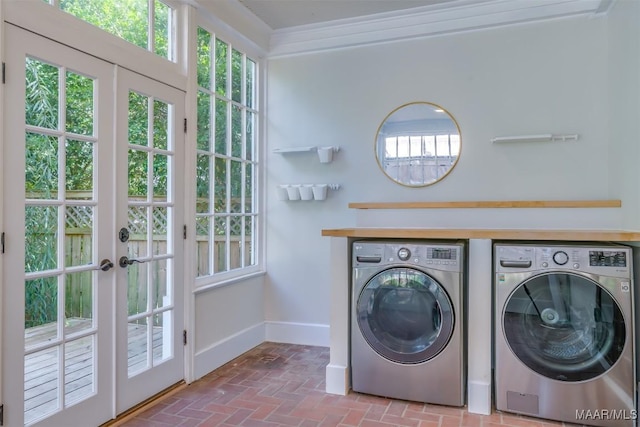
{"points": [[250, 83], [41, 238], [249, 138], [204, 121], [226, 166], [221, 67], [138, 119], [236, 76], [78, 235], [220, 178], [221, 127], [236, 131], [160, 125], [162, 30], [79, 114], [79, 170], [41, 98], [129, 20], [41, 166], [220, 244], [203, 173], [138, 163], [204, 58], [79, 370], [39, 380], [202, 245]]}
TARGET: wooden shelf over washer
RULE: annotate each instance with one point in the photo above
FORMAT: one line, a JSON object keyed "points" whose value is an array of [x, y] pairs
{"points": [[493, 234], [526, 204]]}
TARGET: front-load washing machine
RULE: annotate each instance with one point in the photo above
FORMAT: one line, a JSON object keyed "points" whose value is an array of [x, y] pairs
{"points": [[564, 332], [407, 329]]}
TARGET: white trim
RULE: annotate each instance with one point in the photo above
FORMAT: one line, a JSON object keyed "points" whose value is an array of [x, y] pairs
{"points": [[479, 397], [297, 333], [227, 281], [479, 377], [337, 379], [459, 16], [218, 22], [2, 133], [50, 22], [188, 51], [227, 349]]}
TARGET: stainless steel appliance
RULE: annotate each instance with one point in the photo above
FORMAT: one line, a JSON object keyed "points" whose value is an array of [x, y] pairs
{"points": [[564, 332], [407, 326]]}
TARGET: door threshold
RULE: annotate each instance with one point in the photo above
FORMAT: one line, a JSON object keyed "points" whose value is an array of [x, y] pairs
{"points": [[145, 404]]}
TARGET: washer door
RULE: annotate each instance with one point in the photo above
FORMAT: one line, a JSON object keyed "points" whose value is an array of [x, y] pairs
{"points": [[405, 315], [564, 326]]}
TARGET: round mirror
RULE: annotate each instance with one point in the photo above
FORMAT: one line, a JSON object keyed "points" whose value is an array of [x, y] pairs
{"points": [[418, 144]]}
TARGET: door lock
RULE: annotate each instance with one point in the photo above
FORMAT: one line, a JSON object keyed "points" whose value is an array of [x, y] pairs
{"points": [[106, 265], [125, 261]]}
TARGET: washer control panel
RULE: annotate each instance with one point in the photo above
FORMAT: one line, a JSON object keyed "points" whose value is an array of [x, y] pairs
{"points": [[436, 256], [607, 260]]}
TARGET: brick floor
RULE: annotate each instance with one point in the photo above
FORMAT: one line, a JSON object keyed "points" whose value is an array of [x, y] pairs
{"points": [[279, 385]]}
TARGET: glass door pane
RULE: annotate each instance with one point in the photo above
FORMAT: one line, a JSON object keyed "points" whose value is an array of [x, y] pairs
{"points": [[150, 211]]}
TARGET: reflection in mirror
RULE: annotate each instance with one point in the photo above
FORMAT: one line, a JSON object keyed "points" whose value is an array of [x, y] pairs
{"points": [[418, 144]]}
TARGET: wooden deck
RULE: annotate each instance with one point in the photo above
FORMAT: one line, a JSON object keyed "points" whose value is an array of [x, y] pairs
{"points": [[42, 368]]}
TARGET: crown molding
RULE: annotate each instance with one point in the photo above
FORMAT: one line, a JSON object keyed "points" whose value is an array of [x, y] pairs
{"points": [[233, 18], [458, 16]]}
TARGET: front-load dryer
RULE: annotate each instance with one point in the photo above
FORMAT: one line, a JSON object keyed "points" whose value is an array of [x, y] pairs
{"points": [[407, 329], [564, 332]]}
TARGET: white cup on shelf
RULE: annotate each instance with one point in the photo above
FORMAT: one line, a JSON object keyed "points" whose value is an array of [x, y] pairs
{"points": [[325, 154], [282, 192], [306, 192], [293, 191], [320, 191]]}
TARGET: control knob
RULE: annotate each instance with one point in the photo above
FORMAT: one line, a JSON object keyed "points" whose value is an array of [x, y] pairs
{"points": [[560, 258], [404, 254]]}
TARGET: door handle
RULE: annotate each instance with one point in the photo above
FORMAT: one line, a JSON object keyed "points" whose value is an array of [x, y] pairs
{"points": [[106, 265], [125, 261]]}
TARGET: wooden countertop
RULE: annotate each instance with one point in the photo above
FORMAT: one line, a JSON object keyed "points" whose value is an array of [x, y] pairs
{"points": [[495, 234], [490, 204]]}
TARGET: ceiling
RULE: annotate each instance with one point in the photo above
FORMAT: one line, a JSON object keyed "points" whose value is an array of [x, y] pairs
{"points": [[280, 14]]}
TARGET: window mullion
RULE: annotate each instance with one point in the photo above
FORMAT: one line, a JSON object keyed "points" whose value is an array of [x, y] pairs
{"points": [[228, 209], [151, 27]]}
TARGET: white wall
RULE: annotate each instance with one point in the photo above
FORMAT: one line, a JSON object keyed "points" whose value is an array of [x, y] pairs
{"points": [[624, 107], [551, 77], [229, 320]]}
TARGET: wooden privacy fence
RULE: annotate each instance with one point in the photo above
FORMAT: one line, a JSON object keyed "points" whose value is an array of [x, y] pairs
{"points": [[78, 244]]}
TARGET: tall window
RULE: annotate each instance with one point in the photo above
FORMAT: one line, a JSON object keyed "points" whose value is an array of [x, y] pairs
{"points": [[145, 23], [226, 208]]}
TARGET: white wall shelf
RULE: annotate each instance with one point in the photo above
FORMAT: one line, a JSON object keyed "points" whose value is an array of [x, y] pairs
{"points": [[536, 138], [305, 192], [325, 154], [294, 150]]}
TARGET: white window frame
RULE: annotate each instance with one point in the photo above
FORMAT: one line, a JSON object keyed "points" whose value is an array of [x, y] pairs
{"points": [[240, 43], [51, 22]]}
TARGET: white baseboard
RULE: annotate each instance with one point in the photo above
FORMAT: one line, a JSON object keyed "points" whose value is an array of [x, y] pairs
{"points": [[297, 333], [479, 398], [338, 380], [228, 349]]}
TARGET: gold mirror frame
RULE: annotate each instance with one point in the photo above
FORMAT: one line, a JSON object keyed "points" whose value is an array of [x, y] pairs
{"points": [[418, 144]]}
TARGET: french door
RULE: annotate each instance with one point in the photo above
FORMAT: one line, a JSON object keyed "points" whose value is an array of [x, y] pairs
{"points": [[93, 310], [149, 222]]}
